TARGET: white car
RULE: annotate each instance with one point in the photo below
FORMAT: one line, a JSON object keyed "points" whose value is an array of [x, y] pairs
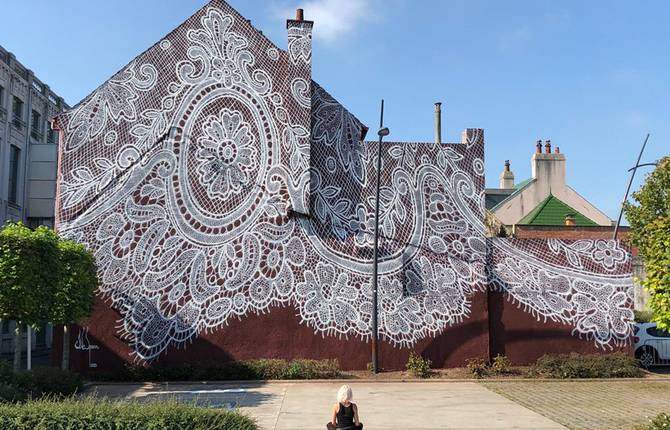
{"points": [[652, 345]]}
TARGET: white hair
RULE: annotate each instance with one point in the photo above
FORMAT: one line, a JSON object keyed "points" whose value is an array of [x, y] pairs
{"points": [[344, 394]]}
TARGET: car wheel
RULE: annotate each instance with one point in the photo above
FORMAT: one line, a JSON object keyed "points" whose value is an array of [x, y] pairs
{"points": [[646, 357]]}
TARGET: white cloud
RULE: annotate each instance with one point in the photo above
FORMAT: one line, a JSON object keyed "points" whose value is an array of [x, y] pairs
{"points": [[334, 19], [515, 39], [636, 119]]}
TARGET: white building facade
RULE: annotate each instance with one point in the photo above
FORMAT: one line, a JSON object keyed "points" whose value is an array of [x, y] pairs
{"points": [[28, 159]]}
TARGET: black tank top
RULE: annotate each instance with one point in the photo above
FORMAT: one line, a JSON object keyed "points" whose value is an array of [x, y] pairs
{"points": [[345, 416]]}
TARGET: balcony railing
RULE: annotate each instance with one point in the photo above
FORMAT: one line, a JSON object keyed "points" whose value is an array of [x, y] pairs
{"points": [[18, 123], [36, 134]]}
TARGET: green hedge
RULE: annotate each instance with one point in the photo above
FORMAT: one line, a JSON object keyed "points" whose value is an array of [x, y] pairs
{"points": [[566, 366], [660, 422], [235, 370], [643, 316], [39, 382], [90, 414]]}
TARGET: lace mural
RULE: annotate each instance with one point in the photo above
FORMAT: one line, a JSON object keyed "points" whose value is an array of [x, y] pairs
{"points": [[213, 179]]}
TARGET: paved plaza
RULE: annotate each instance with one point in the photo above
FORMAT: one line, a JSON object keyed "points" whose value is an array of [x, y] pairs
{"points": [[305, 405], [517, 404], [590, 404]]}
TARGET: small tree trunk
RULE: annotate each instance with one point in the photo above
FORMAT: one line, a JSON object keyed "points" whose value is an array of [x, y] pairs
{"points": [[65, 358], [17, 346]]}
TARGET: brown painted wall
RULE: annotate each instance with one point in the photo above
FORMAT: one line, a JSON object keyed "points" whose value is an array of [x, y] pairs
{"points": [[523, 339], [279, 334], [497, 326]]}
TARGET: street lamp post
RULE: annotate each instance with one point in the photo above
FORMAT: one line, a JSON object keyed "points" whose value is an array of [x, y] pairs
{"points": [[383, 131], [630, 182]]}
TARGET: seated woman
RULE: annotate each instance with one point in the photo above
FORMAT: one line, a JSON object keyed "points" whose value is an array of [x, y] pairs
{"points": [[345, 413]]}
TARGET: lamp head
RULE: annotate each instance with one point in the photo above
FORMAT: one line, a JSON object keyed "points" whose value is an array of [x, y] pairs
{"points": [[383, 132]]}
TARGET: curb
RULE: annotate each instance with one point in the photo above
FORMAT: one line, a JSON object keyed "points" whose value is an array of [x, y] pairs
{"points": [[367, 381]]}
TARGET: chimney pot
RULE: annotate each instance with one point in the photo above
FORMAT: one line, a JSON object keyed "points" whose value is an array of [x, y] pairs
{"points": [[438, 122], [570, 220], [538, 147], [506, 177], [547, 146], [299, 15]]}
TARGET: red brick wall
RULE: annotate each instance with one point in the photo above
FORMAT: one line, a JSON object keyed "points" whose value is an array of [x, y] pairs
{"points": [[497, 326], [568, 233]]}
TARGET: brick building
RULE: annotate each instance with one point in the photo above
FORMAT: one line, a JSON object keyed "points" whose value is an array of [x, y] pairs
{"points": [[546, 207], [230, 202]]}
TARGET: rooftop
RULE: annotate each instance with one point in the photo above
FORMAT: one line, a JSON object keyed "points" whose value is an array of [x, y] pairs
{"points": [[553, 211]]}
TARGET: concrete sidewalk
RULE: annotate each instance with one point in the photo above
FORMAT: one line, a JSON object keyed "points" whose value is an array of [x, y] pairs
{"points": [[406, 405]]}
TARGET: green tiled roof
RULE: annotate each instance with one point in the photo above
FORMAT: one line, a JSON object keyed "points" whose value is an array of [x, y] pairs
{"points": [[517, 189], [552, 211], [523, 183]]}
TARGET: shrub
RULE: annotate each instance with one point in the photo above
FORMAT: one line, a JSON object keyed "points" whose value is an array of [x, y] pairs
{"points": [[312, 369], [93, 414], [418, 366], [234, 370], [478, 367], [501, 365], [268, 369], [660, 422], [50, 381], [11, 393], [6, 372], [37, 383], [564, 366], [643, 316]]}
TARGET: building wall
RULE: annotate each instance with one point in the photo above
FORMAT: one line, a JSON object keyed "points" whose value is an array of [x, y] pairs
{"points": [[641, 296], [548, 173], [497, 326], [216, 182], [39, 149], [36, 184]]}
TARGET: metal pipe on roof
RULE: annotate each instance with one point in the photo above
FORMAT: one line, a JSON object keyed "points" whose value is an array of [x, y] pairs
{"points": [[438, 122]]}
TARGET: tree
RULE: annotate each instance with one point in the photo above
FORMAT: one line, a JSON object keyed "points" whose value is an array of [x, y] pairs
{"points": [[73, 300], [29, 274], [650, 232]]}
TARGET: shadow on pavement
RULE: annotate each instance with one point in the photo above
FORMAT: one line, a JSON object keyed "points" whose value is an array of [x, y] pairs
{"points": [[216, 395]]}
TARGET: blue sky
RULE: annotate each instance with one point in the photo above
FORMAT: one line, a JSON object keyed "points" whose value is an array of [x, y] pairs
{"points": [[592, 76]]}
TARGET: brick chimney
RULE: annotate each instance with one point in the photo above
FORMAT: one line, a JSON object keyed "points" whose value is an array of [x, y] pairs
{"points": [[547, 167], [506, 177], [298, 80], [300, 40]]}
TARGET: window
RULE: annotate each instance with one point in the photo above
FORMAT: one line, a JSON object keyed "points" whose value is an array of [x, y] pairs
{"points": [[3, 111], [14, 154], [36, 125], [52, 135], [34, 222], [17, 110], [656, 332]]}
